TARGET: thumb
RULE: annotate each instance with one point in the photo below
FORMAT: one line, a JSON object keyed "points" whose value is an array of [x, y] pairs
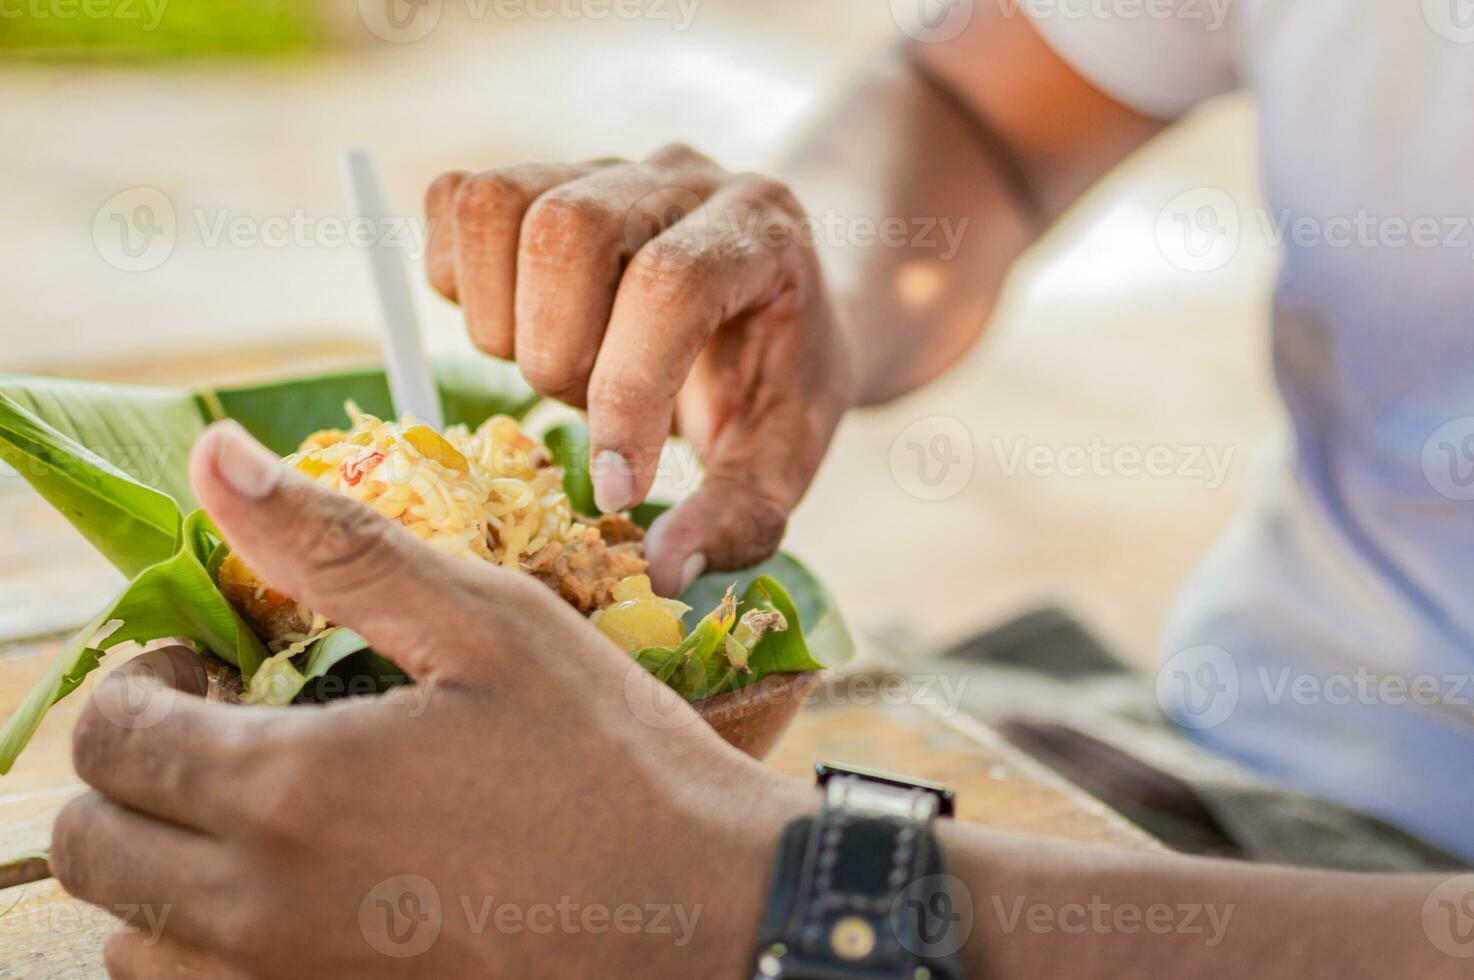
{"points": [[343, 561], [732, 522]]}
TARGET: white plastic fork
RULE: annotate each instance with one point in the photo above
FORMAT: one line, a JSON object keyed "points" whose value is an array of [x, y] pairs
{"points": [[411, 385]]}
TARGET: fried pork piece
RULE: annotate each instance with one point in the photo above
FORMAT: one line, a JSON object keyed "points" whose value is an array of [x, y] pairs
{"points": [[585, 570], [618, 529], [272, 615]]}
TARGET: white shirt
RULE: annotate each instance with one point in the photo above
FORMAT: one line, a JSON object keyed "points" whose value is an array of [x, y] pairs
{"points": [[1327, 641]]}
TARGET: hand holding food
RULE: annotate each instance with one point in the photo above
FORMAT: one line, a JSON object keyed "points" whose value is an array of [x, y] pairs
{"points": [[493, 495], [271, 833], [485, 491], [662, 292]]}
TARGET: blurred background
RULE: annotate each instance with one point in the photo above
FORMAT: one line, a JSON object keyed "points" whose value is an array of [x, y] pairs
{"points": [[170, 190]]}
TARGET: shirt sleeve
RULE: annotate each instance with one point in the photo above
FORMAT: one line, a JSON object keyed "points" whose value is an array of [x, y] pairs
{"points": [[1160, 57]]}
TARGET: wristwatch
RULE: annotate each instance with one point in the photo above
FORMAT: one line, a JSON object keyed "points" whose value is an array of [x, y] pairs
{"points": [[861, 890]]}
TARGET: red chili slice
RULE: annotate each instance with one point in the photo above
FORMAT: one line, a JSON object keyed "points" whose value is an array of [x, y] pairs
{"points": [[356, 468]]}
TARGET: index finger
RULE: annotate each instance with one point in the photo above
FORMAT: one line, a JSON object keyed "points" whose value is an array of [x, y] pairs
{"points": [[148, 740], [707, 270]]}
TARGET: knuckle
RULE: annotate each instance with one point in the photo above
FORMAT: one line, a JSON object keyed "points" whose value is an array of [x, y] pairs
{"points": [[488, 199], [442, 190], [769, 191], [671, 269], [753, 530], [563, 221], [679, 154], [623, 399], [766, 521]]}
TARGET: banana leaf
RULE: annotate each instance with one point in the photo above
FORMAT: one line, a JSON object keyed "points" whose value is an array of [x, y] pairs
{"points": [[113, 460], [101, 455], [176, 597]]}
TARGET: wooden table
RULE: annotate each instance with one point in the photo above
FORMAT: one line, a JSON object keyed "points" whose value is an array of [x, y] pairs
{"points": [[49, 579]]}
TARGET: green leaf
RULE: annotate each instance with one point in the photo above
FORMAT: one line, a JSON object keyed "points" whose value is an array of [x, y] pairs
{"points": [[816, 638], [801, 647], [569, 445], [72, 443], [174, 598], [142, 431], [328, 651], [780, 651], [281, 414]]}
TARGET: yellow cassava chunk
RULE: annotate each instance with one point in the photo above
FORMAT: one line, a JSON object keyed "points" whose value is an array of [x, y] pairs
{"points": [[639, 618]]}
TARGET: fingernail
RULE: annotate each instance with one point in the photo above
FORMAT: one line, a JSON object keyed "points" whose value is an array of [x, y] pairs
{"points": [[614, 484], [244, 463], [692, 570]]}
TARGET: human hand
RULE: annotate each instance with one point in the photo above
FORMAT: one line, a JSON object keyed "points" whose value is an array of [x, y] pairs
{"points": [[652, 293], [508, 815]]}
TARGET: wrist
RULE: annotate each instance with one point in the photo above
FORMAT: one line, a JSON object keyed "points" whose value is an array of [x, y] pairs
{"points": [[744, 822]]}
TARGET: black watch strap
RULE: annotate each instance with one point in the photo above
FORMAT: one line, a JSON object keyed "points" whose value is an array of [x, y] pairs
{"points": [[861, 890]]}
